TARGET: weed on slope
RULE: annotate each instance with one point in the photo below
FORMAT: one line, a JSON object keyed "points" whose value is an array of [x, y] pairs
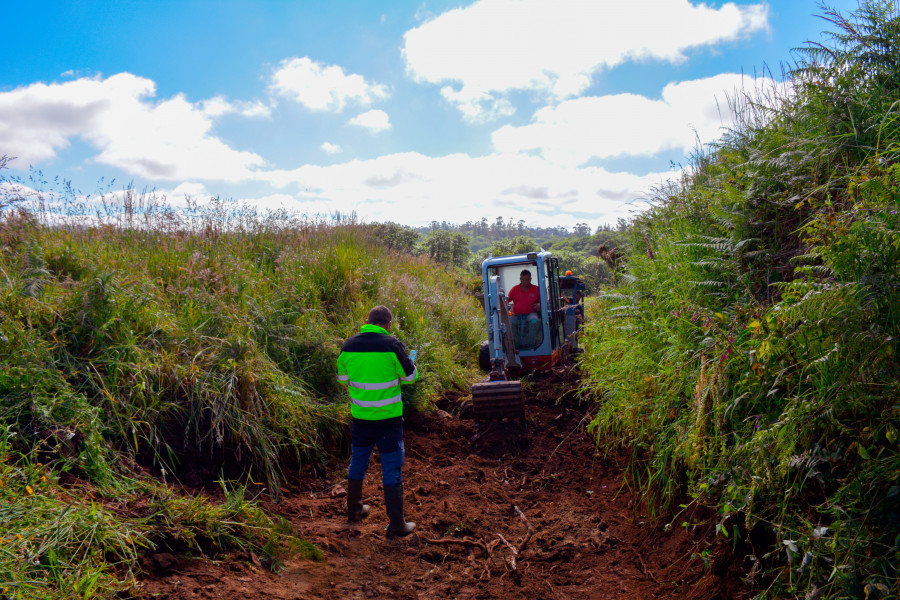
{"points": [[142, 346]]}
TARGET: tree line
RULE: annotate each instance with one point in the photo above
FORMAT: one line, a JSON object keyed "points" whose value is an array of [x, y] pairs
{"points": [[450, 244], [483, 232]]}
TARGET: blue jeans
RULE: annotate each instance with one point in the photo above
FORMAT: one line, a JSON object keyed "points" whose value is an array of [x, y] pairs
{"points": [[528, 333], [388, 436]]}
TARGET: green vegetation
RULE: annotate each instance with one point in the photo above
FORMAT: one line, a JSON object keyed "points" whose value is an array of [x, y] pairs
{"points": [[591, 257], [448, 247], [68, 538], [467, 245], [579, 255], [749, 355], [482, 233], [194, 343]]}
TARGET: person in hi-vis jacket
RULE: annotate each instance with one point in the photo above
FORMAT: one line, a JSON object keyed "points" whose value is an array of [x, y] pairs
{"points": [[373, 365]]}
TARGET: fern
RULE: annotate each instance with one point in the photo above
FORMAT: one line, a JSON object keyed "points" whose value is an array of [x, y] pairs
{"points": [[776, 258], [36, 272]]}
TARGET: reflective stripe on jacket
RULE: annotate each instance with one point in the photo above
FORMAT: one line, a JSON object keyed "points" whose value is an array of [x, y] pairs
{"points": [[374, 365]]}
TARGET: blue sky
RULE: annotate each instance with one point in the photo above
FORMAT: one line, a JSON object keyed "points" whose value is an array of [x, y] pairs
{"points": [[554, 112]]}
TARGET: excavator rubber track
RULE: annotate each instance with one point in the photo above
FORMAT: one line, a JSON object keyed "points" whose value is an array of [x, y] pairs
{"points": [[498, 401]]}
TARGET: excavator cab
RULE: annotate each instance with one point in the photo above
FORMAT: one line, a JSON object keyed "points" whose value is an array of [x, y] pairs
{"points": [[518, 344]]}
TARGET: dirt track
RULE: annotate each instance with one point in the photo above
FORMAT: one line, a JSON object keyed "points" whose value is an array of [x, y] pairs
{"points": [[552, 519]]}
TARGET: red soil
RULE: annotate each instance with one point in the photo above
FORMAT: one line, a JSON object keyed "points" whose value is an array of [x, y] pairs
{"points": [[550, 518]]}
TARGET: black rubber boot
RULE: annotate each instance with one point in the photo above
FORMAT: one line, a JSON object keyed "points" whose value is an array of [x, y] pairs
{"points": [[356, 510], [393, 503]]}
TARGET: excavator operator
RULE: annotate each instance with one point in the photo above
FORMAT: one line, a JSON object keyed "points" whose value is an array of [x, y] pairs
{"points": [[526, 311]]}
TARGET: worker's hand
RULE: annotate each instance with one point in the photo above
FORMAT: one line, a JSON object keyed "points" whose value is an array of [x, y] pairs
{"points": [[536, 307], [412, 356]]}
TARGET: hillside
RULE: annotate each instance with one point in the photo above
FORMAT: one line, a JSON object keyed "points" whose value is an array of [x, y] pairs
{"points": [[143, 352], [749, 355]]}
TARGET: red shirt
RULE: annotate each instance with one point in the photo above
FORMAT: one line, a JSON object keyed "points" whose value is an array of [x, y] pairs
{"points": [[524, 301]]}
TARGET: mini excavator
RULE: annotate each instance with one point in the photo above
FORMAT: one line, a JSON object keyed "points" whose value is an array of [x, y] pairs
{"points": [[518, 344]]}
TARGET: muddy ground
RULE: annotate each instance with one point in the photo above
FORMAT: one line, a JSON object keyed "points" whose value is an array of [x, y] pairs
{"points": [[544, 516]]}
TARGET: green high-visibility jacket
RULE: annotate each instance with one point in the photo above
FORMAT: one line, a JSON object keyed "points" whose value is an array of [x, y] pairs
{"points": [[373, 365]]}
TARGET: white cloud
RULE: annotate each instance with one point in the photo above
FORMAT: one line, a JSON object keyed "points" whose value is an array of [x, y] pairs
{"points": [[21, 196], [493, 47], [275, 202], [323, 87], [330, 148], [254, 109], [373, 120], [417, 189], [480, 107], [169, 139], [190, 189], [578, 130], [219, 106]]}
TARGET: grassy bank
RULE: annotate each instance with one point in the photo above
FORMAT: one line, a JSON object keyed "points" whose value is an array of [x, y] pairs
{"points": [[750, 354], [192, 343]]}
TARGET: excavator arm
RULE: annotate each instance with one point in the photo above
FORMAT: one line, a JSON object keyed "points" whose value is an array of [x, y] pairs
{"points": [[499, 398]]}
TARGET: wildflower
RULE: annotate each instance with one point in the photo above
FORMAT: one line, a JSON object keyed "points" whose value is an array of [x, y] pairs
{"points": [[18, 536], [731, 339], [44, 478], [29, 490]]}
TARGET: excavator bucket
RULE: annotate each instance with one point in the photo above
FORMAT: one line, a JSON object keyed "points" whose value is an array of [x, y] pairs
{"points": [[498, 401]]}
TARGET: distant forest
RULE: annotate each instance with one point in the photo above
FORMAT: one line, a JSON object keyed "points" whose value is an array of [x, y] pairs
{"points": [[483, 233], [466, 245]]}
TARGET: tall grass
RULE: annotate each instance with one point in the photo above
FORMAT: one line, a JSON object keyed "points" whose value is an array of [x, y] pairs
{"points": [[61, 540], [195, 340], [750, 353]]}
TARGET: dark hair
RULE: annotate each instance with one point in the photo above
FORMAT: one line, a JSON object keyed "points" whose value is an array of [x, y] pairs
{"points": [[380, 315], [525, 272]]}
